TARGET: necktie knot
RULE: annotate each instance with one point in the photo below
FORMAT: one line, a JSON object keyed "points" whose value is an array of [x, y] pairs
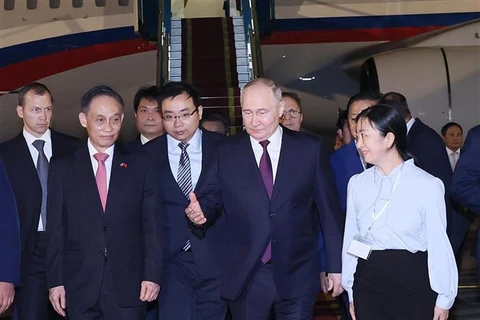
{"points": [[100, 156], [38, 144], [264, 143], [183, 145]]}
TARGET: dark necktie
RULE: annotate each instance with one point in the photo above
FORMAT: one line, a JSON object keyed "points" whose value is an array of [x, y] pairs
{"points": [[184, 177], [42, 171], [266, 172]]}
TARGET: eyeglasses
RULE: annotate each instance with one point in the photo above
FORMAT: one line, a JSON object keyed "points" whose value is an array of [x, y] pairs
{"points": [[294, 114], [183, 116]]}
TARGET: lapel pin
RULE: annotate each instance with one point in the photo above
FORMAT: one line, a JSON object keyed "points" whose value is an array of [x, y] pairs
{"points": [[123, 165]]}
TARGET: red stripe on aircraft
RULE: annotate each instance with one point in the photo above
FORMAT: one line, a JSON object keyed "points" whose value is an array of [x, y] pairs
{"points": [[17, 75], [347, 35]]}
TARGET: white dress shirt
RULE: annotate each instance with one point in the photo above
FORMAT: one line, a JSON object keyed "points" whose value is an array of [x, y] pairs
{"points": [[47, 149], [415, 220], [108, 163], [450, 157], [194, 151], [410, 124], [143, 139], [273, 149]]}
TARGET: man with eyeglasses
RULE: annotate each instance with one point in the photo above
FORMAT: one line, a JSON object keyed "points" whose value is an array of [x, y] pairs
{"points": [[191, 288], [292, 116]]}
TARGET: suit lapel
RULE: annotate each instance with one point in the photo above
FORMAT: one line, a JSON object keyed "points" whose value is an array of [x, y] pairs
{"points": [[117, 177], [86, 177], [164, 165], [246, 158], [285, 161], [25, 160]]}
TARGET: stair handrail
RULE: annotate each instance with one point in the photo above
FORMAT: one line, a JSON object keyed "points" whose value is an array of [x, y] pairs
{"points": [[163, 41], [252, 36]]}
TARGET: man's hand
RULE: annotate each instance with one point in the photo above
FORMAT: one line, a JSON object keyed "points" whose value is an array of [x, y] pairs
{"points": [[323, 282], [440, 314], [7, 293], [194, 212], [149, 291], [335, 283], [352, 311], [57, 298]]}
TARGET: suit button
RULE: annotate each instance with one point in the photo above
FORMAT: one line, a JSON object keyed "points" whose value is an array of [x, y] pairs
{"points": [[272, 215], [105, 228]]}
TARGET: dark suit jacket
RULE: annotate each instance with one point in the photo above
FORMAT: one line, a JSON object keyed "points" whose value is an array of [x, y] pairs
{"points": [[465, 187], [175, 222], [428, 149], [345, 164], [9, 233], [232, 182], [79, 232], [134, 144], [25, 183]]}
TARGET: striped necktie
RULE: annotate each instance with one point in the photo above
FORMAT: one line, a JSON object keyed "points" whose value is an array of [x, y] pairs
{"points": [[184, 178]]}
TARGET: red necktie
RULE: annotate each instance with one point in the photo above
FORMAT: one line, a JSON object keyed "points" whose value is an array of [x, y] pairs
{"points": [[101, 177]]}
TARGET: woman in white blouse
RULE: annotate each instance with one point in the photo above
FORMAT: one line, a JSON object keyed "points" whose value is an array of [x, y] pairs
{"points": [[397, 259]]}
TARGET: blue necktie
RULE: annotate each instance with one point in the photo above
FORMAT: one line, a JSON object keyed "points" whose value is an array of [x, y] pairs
{"points": [[42, 171]]}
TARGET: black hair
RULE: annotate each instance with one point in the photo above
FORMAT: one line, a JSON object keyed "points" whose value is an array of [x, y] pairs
{"points": [[362, 96], [448, 126], [214, 117], [96, 92], [175, 88], [385, 119], [398, 101], [295, 97], [149, 93], [342, 118]]}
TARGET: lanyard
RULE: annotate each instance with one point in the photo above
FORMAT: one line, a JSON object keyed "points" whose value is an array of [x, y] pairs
{"points": [[385, 206]]}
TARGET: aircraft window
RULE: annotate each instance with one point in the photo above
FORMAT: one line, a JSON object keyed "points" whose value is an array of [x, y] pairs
{"points": [[123, 3], [77, 3], [9, 5], [31, 4], [100, 3], [54, 4]]}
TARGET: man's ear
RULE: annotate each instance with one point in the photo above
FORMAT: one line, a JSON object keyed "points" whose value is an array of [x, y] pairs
{"points": [[82, 117]]}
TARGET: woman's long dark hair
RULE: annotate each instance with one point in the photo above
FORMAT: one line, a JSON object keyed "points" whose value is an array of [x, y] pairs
{"points": [[385, 119]]}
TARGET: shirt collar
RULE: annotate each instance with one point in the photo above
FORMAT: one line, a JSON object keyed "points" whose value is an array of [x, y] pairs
{"points": [[143, 139], [450, 151], [195, 143], [92, 150], [410, 124], [29, 138], [275, 139], [394, 172]]}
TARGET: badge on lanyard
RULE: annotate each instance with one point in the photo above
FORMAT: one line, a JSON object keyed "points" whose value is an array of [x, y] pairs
{"points": [[361, 247]]}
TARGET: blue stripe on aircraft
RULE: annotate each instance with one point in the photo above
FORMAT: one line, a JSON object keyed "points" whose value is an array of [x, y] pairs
{"points": [[29, 50]]}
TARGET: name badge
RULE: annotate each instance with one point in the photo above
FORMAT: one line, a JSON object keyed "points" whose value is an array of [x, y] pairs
{"points": [[360, 247]]}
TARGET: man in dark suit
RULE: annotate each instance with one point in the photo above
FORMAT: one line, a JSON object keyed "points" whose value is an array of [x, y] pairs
{"points": [[147, 116], [104, 255], [26, 160], [346, 161], [466, 179], [9, 243], [265, 181], [191, 287], [428, 150], [452, 134]]}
